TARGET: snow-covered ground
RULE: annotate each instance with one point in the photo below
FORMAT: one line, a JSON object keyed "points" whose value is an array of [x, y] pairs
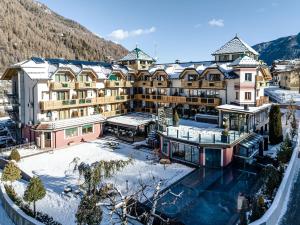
{"points": [[281, 95], [56, 171]]}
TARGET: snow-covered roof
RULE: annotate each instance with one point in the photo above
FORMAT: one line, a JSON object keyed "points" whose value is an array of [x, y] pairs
{"points": [[40, 68], [137, 54], [132, 119], [245, 61], [238, 108], [235, 45], [72, 122]]}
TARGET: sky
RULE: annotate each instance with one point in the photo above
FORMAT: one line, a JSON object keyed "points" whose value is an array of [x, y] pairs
{"points": [[187, 30]]}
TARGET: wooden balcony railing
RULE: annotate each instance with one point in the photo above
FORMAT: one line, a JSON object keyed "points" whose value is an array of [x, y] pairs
{"points": [[113, 99], [190, 84], [262, 100], [62, 85], [72, 103], [179, 99], [119, 83], [63, 104], [143, 83], [158, 83], [85, 85], [212, 84], [114, 113]]}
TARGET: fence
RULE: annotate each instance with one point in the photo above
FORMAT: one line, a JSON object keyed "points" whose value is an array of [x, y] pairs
{"points": [[26, 145]]}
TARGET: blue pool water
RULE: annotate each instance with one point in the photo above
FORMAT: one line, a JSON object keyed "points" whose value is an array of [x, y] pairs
{"points": [[209, 196]]}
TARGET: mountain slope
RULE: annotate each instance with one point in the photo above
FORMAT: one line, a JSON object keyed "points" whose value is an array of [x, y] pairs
{"points": [[29, 28], [281, 48]]}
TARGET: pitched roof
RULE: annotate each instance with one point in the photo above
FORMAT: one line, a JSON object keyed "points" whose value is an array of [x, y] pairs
{"points": [[245, 61], [235, 45], [137, 54]]}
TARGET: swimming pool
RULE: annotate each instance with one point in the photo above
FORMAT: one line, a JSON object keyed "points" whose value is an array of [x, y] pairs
{"points": [[209, 196]]}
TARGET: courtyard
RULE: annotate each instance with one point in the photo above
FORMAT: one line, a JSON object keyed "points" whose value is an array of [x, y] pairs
{"points": [[56, 171]]}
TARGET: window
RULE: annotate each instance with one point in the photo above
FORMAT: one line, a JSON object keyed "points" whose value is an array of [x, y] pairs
{"points": [[71, 132], [83, 77], [237, 95], [87, 129], [61, 77], [62, 95], [247, 95], [248, 76]]}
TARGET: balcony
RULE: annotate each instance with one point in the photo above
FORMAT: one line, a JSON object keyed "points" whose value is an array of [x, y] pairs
{"points": [[114, 113], [143, 83], [85, 85], [159, 83], [190, 84], [115, 84], [212, 84], [262, 100], [179, 99], [113, 99], [62, 85], [63, 104]]}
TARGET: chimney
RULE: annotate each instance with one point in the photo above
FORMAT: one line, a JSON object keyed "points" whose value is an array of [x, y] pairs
{"points": [[246, 107], [177, 61]]}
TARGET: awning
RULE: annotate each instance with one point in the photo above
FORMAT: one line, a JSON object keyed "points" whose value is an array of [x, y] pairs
{"points": [[252, 141]]}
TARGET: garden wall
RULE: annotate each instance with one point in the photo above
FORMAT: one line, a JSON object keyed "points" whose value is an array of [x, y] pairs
{"points": [[273, 214], [14, 212]]}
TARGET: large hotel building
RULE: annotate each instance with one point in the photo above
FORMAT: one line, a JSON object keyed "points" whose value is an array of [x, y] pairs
{"points": [[59, 102]]}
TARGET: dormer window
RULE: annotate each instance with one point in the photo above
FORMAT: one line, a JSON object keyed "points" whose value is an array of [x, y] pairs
{"points": [[61, 77]]}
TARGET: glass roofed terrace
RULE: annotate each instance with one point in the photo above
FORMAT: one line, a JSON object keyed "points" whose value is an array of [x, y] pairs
{"points": [[204, 135]]}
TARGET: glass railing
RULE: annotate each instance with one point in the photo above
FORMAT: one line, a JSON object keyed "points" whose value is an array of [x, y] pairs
{"points": [[203, 135]]}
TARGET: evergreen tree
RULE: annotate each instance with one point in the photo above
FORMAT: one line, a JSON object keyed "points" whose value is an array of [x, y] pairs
{"points": [[88, 211], [285, 152], [275, 130], [15, 155], [11, 172], [35, 191], [293, 126]]}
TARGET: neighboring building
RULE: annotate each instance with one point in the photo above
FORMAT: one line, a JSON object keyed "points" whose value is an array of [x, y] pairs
{"points": [[61, 102], [286, 73]]}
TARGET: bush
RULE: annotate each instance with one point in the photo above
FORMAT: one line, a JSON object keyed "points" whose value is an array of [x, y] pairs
{"points": [[258, 208], [10, 191], [272, 178], [11, 172], [15, 155], [285, 152]]}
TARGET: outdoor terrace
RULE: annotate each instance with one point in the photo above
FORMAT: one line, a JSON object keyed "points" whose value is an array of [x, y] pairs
{"points": [[203, 135]]}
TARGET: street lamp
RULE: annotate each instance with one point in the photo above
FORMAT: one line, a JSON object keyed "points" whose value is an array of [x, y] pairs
{"points": [[20, 131]]}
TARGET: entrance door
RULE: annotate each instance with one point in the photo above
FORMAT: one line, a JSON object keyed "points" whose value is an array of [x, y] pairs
{"points": [[212, 157], [47, 139]]}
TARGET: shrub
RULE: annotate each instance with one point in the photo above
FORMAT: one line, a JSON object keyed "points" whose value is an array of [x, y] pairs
{"points": [[285, 152], [10, 191], [275, 126], [11, 172], [272, 178], [258, 208], [15, 155]]}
